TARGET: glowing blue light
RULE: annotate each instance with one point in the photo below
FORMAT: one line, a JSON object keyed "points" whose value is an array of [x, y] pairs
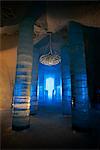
{"points": [[50, 86]]}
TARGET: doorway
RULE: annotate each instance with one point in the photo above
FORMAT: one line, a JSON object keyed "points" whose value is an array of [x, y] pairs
{"points": [[49, 88]]}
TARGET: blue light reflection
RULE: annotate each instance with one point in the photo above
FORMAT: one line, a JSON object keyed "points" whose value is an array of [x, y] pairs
{"points": [[49, 85]]}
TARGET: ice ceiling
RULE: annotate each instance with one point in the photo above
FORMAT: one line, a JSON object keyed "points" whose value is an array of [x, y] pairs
{"points": [[56, 16]]}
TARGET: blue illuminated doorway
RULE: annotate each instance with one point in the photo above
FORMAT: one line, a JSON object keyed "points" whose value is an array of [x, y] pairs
{"points": [[49, 87]]}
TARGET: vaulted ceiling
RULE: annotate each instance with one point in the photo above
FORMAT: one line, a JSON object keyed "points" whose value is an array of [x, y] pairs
{"points": [[53, 16]]}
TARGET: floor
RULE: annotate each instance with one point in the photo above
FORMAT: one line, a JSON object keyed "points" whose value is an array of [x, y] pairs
{"points": [[47, 130]]}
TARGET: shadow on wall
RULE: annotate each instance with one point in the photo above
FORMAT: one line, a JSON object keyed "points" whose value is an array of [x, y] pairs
{"points": [[7, 76], [9, 40]]}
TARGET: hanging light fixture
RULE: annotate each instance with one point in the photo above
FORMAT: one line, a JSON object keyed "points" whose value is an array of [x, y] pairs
{"points": [[50, 58]]}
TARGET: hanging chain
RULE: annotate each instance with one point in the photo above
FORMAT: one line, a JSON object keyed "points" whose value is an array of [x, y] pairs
{"points": [[50, 46]]}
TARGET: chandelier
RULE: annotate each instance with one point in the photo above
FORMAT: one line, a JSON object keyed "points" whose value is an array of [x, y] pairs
{"points": [[50, 58]]}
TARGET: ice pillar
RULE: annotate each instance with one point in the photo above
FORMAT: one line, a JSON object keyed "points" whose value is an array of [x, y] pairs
{"points": [[80, 99], [21, 94], [34, 83], [66, 81]]}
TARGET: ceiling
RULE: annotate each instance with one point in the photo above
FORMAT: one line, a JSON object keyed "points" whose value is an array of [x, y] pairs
{"points": [[51, 16]]}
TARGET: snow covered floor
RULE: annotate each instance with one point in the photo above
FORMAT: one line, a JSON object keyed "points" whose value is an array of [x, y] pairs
{"points": [[47, 130]]}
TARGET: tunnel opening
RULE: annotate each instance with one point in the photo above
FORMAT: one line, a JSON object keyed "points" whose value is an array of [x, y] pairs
{"points": [[49, 92]]}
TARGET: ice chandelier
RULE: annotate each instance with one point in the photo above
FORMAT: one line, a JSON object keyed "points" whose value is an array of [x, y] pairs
{"points": [[50, 58]]}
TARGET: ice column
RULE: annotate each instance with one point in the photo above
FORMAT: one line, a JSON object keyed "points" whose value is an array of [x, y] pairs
{"points": [[34, 83], [66, 81], [21, 94], [80, 99]]}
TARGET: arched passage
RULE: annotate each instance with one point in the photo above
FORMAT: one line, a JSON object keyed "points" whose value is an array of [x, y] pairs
{"points": [[50, 87]]}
